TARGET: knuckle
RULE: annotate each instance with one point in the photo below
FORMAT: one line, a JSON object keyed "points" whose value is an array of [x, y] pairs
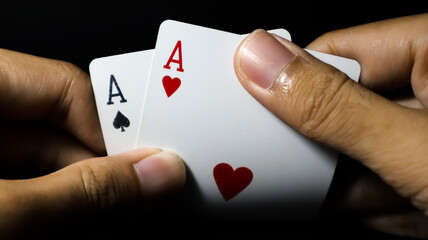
{"points": [[73, 84], [322, 102], [420, 200], [72, 78], [99, 187], [69, 69], [326, 42]]}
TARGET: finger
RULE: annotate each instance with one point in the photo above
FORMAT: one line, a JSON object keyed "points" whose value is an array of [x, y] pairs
{"points": [[36, 148], [89, 187], [356, 191], [411, 224], [403, 96], [392, 53], [35, 88], [323, 104], [371, 201]]}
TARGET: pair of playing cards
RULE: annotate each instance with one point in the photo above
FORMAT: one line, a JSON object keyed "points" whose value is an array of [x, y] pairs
{"points": [[242, 161]]}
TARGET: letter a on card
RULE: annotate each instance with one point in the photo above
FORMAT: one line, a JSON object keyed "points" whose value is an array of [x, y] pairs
{"points": [[111, 94], [180, 58]]}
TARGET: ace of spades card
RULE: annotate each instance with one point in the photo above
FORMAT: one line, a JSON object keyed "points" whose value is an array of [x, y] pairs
{"points": [[119, 84], [241, 159]]}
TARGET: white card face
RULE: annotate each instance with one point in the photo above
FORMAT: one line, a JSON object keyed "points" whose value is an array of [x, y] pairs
{"points": [[242, 160], [119, 84], [349, 66]]}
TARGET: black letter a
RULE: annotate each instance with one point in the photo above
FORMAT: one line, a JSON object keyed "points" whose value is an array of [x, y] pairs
{"points": [[119, 93]]}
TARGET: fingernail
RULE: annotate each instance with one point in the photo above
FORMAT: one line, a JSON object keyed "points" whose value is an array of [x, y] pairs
{"points": [[261, 58], [161, 174]]}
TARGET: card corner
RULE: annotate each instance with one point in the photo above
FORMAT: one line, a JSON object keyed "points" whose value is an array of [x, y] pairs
{"points": [[166, 23], [93, 63]]}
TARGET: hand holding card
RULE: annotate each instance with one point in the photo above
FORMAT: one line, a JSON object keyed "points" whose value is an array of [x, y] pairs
{"points": [[242, 161], [330, 118]]}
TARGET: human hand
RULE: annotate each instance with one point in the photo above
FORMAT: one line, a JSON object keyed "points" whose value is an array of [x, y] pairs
{"points": [[323, 104], [50, 122]]}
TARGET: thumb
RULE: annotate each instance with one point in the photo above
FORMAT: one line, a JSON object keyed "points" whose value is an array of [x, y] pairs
{"points": [[323, 104], [92, 186]]}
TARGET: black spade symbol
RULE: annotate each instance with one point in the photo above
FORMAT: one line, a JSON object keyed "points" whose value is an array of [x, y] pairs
{"points": [[120, 121]]}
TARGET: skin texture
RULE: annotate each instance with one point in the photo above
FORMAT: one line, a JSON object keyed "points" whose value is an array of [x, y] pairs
{"points": [[49, 122], [323, 104]]}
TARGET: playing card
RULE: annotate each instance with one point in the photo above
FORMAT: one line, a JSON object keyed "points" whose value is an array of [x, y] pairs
{"points": [[241, 159], [119, 84]]}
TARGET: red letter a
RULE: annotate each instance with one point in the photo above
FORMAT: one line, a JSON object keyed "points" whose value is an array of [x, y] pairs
{"points": [[180, 59]]}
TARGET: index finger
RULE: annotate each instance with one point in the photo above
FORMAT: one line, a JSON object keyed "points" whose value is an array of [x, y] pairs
{"points": [[389, 51], [35, 88]]}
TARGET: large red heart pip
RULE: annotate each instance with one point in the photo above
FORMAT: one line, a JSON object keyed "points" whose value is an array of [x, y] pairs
{"points": [[231, 182], [170, 85]]}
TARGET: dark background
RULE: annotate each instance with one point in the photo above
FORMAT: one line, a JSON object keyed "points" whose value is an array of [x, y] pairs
{"points": [[79, 31]]}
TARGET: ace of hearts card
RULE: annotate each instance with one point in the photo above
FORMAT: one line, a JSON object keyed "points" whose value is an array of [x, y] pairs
{"points": [[241, 159]]}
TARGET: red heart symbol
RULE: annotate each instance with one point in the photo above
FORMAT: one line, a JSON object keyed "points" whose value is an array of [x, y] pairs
{"points": [[231, 182], [170, 85]]}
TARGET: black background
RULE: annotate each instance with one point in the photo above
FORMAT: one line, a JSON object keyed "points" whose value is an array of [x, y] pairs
{"points": [[79, 31]]}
